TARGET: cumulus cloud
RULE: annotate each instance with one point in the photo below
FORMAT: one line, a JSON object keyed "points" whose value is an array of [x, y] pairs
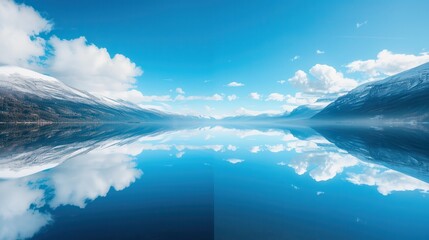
{"points": [[319, 52], [235, 84], [235, 160], [300, 80], [249, 112], [232, 97], [326, 80], [281, 81], [387, 63], [255, 95], [180, 154], [255, 149], [138, 97], [232, 147], [276, 148], [276, 97], [88, 67], [214, 97], [180, 91], [78, 180], [19, 217], [388, 181], [20, 30]]}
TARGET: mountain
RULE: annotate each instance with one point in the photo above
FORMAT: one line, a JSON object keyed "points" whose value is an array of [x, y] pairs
{"points": [[28, 96], [404, 97]]}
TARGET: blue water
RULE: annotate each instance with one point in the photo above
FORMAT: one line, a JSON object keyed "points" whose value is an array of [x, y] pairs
{"points": [[213, 183]]}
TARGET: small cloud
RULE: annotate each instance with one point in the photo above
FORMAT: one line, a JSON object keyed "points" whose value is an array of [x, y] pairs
{"points": [[276, 97], [255, 95], [319, 193], [276, 148], [319, 52], [235, 84], [208, 108], [180, 91], [232, 97], [281, 163], [214, 97], [294, 187], [180, 154], [235, 160], [281, 81], [295, 58], [359, 25], [232, 147], [255, 149]]}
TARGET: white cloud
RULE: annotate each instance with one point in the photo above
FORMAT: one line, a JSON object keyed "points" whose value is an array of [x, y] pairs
{"points": [[248, 112], [235, 84], [295, 58], [320, 193], [79, 180], [300, 80], [320, 52], [388, 181], [276, 97], [180, 91], [276, 148], [328, 164], [255, 149], [327, 80], [180, 154], [215, 148], [255, 95], [88, 67], [232, 97], [137, 96], [360, 24], [388, 63], [19, 215], [235, 160], [232, 147], [214, 97], [281, 81], [20, 29]]}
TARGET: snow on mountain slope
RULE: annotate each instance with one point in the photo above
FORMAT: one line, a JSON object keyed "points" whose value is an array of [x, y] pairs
{"points": [[31, 82], [403, 96], [27, 95]]}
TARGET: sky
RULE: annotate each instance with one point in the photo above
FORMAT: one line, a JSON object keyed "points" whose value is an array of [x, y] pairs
{"points": [[215, 58]]}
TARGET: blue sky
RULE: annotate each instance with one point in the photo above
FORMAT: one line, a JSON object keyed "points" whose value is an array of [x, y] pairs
{"points": [[202, 46]]}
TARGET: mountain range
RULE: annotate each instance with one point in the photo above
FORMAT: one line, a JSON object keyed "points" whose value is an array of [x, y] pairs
{"points": [[28, 96]]}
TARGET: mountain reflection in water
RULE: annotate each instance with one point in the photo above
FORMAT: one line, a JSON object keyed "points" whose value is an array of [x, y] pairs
{"points": [[51, 174]]}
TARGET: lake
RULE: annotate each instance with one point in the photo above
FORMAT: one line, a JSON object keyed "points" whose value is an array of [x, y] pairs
{"points": [[239, 181]]}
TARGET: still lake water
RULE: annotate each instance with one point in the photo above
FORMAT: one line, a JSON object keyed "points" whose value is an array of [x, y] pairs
{"points": [[214, 182]]}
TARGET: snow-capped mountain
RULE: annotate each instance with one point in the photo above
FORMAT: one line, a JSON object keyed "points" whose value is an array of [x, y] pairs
{"points": [[403, 97], [26, 95]]}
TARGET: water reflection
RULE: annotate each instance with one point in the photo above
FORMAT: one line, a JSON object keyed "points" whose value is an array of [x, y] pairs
{"points": [[45, 167]]}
